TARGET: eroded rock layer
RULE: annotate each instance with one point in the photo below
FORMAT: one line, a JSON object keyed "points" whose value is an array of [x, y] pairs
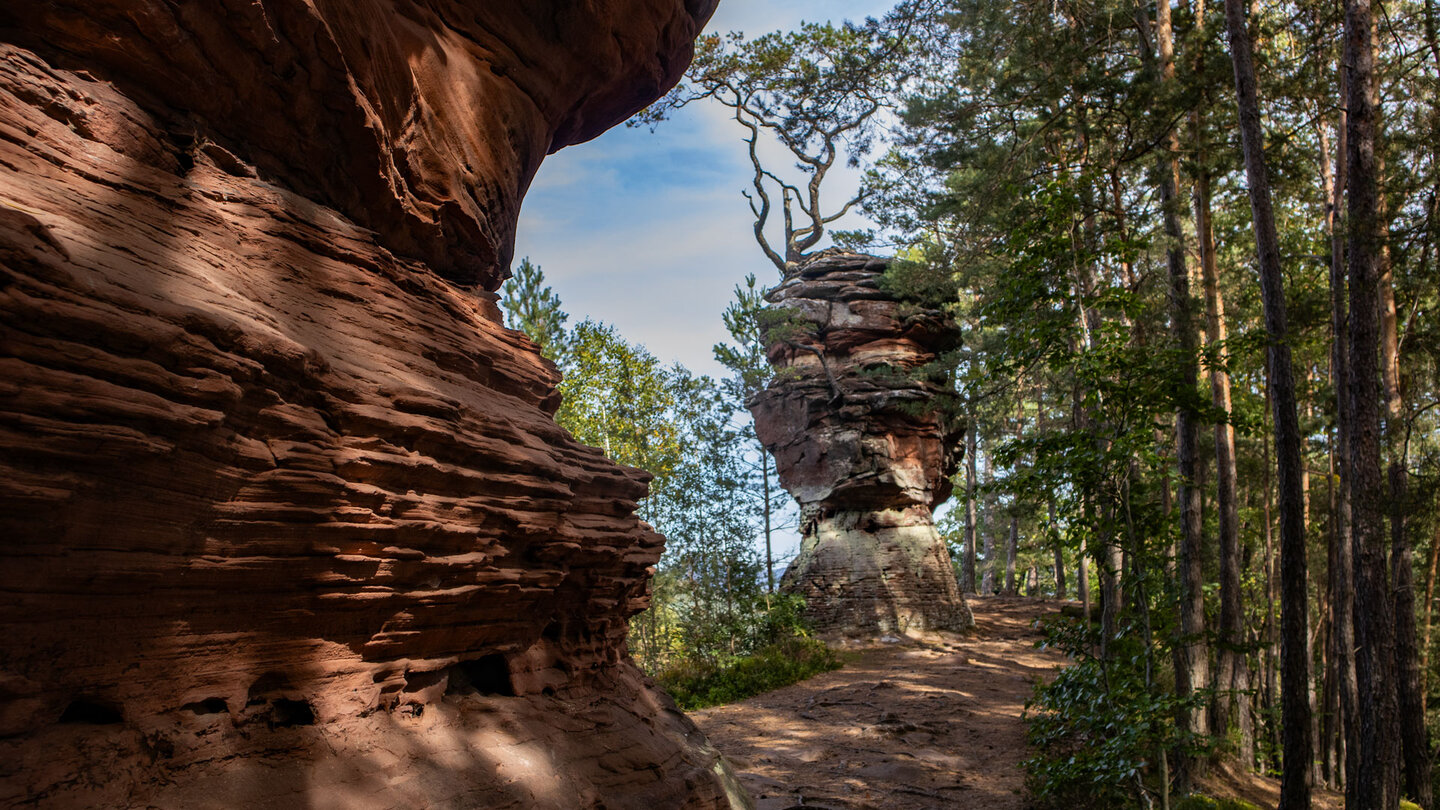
{"points": [[862, 428], [285, 520]]}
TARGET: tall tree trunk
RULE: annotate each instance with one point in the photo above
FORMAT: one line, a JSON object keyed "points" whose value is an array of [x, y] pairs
{"points": [[967, 576], [1108, 558], [1271, 627], [1430, 575], [1232, 677], [1333, 734], [1060, 556], [1375, 781], [1342, 553], [987, 531], [1295, 662], [1409, 689], [769, 553], [1012, 549], [1191, 657]]}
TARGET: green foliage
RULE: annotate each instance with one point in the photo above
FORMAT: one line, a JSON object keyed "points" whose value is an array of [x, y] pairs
{"points": [[618, 397], [697, 684], [710, 489], [745, 358], [1100, 729], [750, 370], [533, 308]]}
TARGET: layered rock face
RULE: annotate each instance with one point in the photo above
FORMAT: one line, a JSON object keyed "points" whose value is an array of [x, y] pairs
{"points": [[285, 520], [862, 430]]}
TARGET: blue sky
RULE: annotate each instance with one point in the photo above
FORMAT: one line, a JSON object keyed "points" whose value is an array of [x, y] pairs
{"points": [[648, 231]]}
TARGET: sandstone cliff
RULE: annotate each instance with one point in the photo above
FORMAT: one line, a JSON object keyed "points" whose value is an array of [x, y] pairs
{"points": [[864, 437], [284, 517]]}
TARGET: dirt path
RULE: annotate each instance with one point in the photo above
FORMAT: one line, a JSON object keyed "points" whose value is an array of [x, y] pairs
{"points": [[905, 727]]}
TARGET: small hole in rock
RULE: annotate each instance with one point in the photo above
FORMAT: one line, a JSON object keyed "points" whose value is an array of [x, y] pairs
{"points": [[212, 705], [91, 711], [285, 712], [489, 675]]}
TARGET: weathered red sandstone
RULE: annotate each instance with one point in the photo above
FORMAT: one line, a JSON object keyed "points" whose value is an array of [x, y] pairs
{"points": [[285, 520], [865, 437]]}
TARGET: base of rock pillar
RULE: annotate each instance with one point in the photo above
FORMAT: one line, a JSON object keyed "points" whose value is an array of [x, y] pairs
{"points": [[871, 573]]}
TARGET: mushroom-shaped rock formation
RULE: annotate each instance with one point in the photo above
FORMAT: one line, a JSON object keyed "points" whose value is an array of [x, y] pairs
{"points": [[864, 436], [285, 519]]}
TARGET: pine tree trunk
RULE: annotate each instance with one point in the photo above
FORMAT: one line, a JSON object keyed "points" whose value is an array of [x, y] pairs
{"points": [[1191, 657], [1333, 733], [1342, 550], [1295, 662], [769, 553], [1430, 575], [1227, 694], [1375, 781], [967, 571], [1060, 559], [987, 531], [1409, 689], [1012, 550]]}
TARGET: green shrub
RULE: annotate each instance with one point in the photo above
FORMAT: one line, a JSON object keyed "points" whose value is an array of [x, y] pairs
{"points": [[1099, 729], [697, 684]]}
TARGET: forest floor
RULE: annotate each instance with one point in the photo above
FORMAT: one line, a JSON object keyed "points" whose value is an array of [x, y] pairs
{"points": [[906, 726], [915, 725]]}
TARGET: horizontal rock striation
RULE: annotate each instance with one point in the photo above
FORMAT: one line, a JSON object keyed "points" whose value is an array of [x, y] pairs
{"points": [[862, 428], [285, 520], [423, 120]]}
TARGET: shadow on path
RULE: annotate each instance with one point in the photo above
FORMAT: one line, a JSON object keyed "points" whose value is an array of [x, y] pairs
{"points": [[903, 727]]}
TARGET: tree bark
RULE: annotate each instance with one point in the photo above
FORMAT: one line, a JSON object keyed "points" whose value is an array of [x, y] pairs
{"points": [[1295, 663], [987, 575], [1374, 783], [1430, 573], [967, 575], [1060, 557], [1409, 688], [1342, 552], [1191, 657], [1012, 550], [769, 553], [1232, 701]]}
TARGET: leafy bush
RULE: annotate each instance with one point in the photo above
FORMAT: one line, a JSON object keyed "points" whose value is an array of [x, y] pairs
{"points": [[1100, 728], [697, 684]]}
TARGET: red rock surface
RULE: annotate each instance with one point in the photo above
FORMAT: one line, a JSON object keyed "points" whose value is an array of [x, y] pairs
{"points": [[284, 517], [423, 120], [864, 436]]}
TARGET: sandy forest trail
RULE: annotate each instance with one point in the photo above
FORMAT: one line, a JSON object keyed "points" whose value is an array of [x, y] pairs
{"points": [[906, 726]]}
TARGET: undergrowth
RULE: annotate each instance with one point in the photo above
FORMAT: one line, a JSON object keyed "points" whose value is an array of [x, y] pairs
{"points": [[1102, 730], [698, 684]]}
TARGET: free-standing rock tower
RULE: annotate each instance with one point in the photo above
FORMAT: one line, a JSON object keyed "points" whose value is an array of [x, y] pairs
{"points": [[864, 436], [285, 519]]}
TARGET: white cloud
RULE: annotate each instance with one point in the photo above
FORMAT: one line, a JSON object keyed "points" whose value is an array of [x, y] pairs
{"points": [[648, 231]]}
